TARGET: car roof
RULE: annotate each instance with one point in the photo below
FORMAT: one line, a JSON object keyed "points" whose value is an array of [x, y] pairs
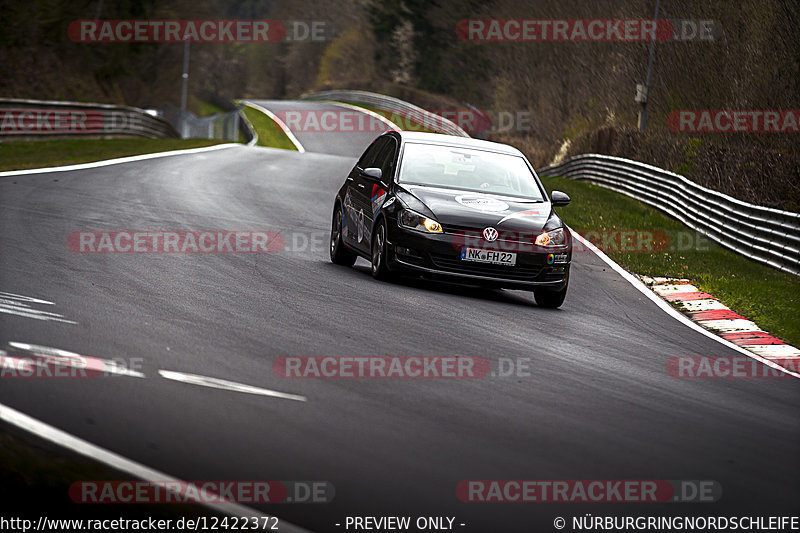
{"points": [[452, 140]]}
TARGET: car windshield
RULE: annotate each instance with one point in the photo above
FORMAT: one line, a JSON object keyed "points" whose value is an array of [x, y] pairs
{"points": [[469, 170]]}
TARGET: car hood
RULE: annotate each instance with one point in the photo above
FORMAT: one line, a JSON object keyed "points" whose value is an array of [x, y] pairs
{"points": [[458, 210]]}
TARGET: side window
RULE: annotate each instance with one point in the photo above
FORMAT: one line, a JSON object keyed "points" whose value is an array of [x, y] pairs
{"points": [[386, 159], [371, 154]]}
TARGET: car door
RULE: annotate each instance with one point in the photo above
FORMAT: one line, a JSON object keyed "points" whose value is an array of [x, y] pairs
{"points": [[357, 206], [378, 189]]}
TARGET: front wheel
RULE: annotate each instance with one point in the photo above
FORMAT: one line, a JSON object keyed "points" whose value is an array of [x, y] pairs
{"points": [[339, 252], [550, 299], [379, 269]]}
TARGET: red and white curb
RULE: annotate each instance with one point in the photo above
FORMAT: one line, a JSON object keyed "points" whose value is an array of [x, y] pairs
{"points": [[704, 309]]}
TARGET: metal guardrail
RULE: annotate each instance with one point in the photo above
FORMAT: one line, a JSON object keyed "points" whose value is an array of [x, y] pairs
{"points": [[767, 235], [225, 125], [29, 118], [395, 105]]}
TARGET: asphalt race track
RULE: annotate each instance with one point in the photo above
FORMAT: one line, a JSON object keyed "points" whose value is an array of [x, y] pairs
{"points": [[338, 133], [597, 403]]}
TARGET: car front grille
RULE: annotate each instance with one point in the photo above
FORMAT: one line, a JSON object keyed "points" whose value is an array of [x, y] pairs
{"points": [[505, 237], [455, 264]]}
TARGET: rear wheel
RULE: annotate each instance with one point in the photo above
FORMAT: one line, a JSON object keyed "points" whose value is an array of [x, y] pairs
{"points": [[339, 252], [379, 269], [550, 299]]}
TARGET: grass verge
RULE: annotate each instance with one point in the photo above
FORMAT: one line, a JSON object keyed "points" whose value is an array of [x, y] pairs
{"points": [[269, 133], [762, 294], [35, 477], [20, 155]]}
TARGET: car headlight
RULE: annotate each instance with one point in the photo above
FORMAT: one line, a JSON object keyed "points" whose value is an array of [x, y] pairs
{"points": [[555, 237], [413, 220]]}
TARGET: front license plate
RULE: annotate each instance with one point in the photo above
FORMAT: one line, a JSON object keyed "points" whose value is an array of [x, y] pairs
{"points": [[489, 256]]}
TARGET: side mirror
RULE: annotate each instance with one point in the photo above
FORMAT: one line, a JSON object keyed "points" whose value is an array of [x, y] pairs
{"points": [[373, 173], [559, 198]]}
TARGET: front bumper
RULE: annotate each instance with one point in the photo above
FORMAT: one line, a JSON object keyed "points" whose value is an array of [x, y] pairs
{"points": [[438, 256]]}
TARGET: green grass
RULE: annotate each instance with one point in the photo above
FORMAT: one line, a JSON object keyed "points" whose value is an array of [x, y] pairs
{"points": [[206, 109], [762, 294], [269, 133], [35, 476], [19, 155]]}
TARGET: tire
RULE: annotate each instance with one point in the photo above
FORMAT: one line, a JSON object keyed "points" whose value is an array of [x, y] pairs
{"points": [[550, 299], [340, 255], [380, 270]]}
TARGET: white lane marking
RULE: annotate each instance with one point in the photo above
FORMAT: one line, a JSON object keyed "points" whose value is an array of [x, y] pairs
{"points": [[46, 355], [281, 124], [16, 304], [775, 351], [19, 306], [35, 315], [731, 325], [657, 280], [371, 113], [664, 306], [22, 298], [703, 305], [216, 383], [665, 290], [118, 462], [117, 161]]}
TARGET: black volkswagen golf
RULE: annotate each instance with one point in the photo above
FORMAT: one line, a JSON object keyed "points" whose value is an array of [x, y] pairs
{"points": [[453, 208]]}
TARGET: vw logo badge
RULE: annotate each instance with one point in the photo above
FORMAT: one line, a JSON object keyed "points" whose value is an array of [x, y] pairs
{"points": [[490, 234]]}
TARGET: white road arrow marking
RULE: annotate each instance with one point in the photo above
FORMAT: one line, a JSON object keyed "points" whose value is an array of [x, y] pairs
{"points": [[215, 383]]}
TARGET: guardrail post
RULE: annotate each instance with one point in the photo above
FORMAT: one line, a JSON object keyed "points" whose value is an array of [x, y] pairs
{"points": [[643, 113], [184, 88]]}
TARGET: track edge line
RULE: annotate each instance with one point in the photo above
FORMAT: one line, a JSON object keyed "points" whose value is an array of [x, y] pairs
{"points": [[118, 462], [641, 287]]}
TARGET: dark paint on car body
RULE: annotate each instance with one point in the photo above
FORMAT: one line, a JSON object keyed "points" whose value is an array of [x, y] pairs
{"points": [[368, 206]]}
